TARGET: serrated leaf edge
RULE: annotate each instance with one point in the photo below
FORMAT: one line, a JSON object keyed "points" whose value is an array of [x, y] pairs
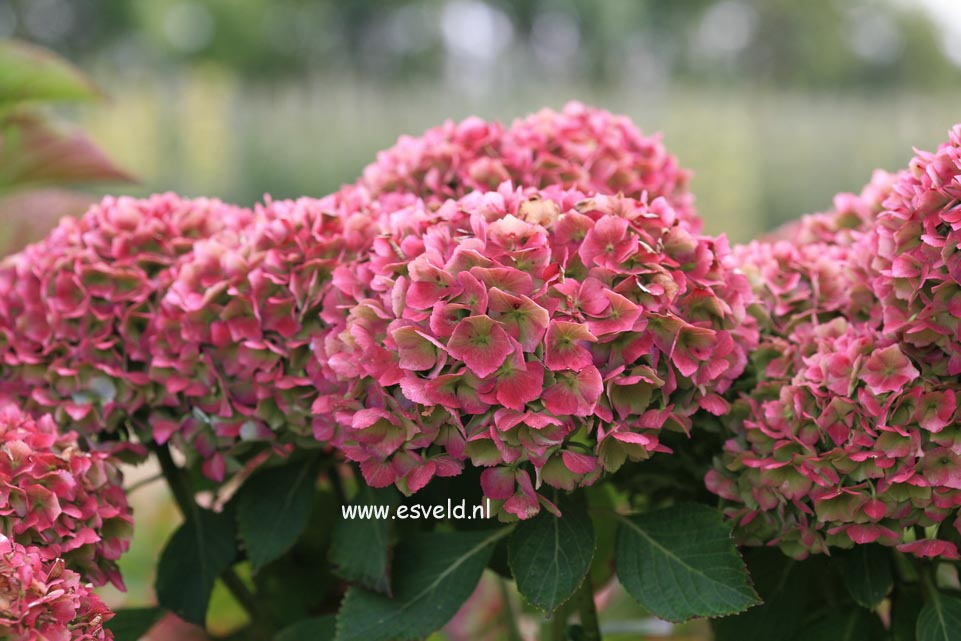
{"points": [[743, 571]]}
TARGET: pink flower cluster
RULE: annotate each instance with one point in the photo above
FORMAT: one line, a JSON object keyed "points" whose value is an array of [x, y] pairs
{"points": [[580, 148], [917, 260], [234, 336], [41, 600], [522, 326], [75, 307], [854, 446], [67, 502], [849, 433], [197, 321]]}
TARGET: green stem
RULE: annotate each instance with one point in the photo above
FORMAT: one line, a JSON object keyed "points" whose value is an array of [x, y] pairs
{"points": [[133, 487], [588, 610], [508, 614], [184, 499], [554, 627]]}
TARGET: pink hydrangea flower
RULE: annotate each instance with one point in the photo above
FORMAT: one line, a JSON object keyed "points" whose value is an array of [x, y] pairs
{"points": [[233, 336], [41, 599], [68, 502], [528, 329], [579, 147], [845, 443], [74, 308], [847, 436], [918, 269]]}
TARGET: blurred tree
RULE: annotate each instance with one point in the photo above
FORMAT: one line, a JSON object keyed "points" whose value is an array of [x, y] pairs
{"points": [[818, 44]]}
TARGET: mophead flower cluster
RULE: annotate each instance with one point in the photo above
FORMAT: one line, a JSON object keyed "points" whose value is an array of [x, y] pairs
{"points": [[848, 434], [581, 148], [43, 599], [917, 263], [75, 307], [67, 502], [524, 326]]}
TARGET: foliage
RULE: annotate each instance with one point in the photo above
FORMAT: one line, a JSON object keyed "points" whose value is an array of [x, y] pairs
{"points": [[36, 154]]}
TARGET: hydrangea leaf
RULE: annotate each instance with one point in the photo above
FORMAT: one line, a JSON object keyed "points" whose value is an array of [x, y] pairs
{"points": [[360, 548], [854, 625], [549, 556], [866, 572], [273, 508], [785, 585], [35, 152], [317, 629], [131, 624], [197, 553], [680, 563], [940, 619], [29, 73], [433, 576]]}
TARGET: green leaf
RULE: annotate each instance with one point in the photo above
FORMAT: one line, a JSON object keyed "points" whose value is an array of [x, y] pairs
{"points": [[318, 629], [273, 508], [130, 624], [29, 73], [855, 625], [197, 553], [785, 585], [360, 549], [549, 556], [940, 620], [433, 576], [866, 573], [34, 152], [681, 563]]}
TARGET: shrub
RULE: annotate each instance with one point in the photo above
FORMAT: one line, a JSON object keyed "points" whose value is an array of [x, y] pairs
{"points": [[509, 314]]}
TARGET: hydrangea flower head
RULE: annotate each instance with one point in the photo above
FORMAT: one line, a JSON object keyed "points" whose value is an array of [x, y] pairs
{"points": [[917, 262], [41, 599], [67, 502], [233, 338], [845, 436], [74, 308], [529, 331], [580, 147], [853, 445]]}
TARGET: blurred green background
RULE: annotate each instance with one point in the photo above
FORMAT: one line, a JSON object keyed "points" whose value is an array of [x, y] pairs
{"points": [[775, 104]]}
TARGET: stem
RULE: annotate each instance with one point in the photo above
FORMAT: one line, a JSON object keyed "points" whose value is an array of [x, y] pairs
{"points": [[133, 487], [508, 614], [554, 627], [588, 610], [189, 509], [175, 481]]}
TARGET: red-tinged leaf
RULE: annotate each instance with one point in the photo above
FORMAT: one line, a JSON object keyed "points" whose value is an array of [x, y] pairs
{"points": [[33, 152]]}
